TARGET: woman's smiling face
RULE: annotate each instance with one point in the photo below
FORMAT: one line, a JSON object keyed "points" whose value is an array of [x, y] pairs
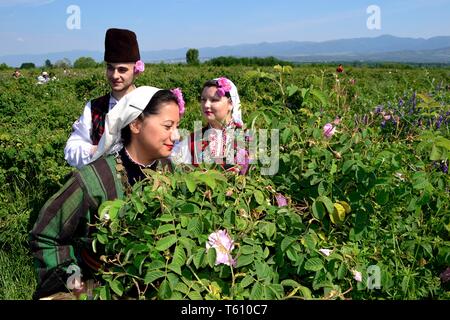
{"points": [[216, 109]]}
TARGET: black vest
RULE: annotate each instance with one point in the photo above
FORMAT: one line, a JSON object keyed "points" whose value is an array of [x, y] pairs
{"points": [[99, 109]]}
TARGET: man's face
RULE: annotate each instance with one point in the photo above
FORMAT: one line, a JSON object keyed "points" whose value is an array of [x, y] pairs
{"points": [[120, 76]]}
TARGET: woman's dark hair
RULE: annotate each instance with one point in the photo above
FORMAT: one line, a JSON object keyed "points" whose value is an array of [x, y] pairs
{"points": [[214, 83], [152, 108]]}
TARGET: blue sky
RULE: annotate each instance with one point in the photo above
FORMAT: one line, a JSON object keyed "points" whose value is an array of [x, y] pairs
{"points": [[39, 26]]}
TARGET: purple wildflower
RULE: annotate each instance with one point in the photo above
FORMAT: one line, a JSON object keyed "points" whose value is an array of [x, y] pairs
{"points": [[378, 109], [444, 167]]}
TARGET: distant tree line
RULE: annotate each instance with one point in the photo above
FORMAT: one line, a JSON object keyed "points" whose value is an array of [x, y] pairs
{"points": [[374, 64], [245, 61]]}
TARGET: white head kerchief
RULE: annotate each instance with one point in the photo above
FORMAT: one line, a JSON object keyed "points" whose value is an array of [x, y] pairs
{"points": [[236, 114], [124, 112]]}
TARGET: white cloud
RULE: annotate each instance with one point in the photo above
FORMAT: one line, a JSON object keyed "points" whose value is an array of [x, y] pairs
{"points": [[20, 40], [14, 3]]}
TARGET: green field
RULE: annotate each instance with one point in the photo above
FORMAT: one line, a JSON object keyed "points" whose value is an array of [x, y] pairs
{"points": [[388, 160]]}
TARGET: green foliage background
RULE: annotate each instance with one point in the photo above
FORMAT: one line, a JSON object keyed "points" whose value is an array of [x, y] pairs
{"points": [[389, 173]]}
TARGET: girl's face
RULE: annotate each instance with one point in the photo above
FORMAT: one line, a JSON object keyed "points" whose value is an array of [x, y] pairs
{"points": [[216, 109], [155, 135], [120, 76]]}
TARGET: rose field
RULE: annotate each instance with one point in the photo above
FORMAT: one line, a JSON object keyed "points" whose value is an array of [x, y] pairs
{"points": [[358, 206]]}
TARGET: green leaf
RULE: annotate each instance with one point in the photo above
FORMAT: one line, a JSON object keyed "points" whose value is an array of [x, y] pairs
{"points": [[347, 166], [320, 96], [246, 249], [155, 264], [257, 292], [310, 241], [138, 204], [166, 218], [342, 271], [286, 242], [190, 183], [314, 264], [189, 208], [153, 275], [179, 256], [306, 292], [290, 283], [248, 280], [318, 210], [291, 90], [209, 180], [166, 242], [117, 287], [321, 189], [195, 226], [111, 208], [164, 291], [327, 202], [102, 238], [382, 197], [194, 295], [104, 293], [274, 291], [436, 153], [211, 257], [259, 197], [165, 228], [181, 287], [199, 257], [175, 268], [262, 270], [244, 260], [269, 228], [188, 244]]}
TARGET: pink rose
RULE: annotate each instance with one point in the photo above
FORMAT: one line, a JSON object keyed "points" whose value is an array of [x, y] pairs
{"points": [[328, 130], [222, 242], [177, 92], [224, 86], [139, 67], [281, 200], [220, 92]]}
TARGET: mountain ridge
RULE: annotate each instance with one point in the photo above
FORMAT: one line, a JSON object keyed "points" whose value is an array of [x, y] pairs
{"points": [[373, 48]]}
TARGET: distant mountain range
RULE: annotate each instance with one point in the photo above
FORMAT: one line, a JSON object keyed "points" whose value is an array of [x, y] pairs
{"points": [[377, 49]]}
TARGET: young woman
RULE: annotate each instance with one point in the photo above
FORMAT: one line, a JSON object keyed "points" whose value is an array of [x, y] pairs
{"points": [[146, 122], [222, 140]]}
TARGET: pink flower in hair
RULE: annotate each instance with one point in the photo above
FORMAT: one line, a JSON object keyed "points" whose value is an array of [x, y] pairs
{"points": [[224, 86], [177, 92], [139, 67]]}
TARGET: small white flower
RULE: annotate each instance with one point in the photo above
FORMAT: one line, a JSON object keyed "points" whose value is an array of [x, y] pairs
{"points": [[326, 252], [106, 217], [357, 275]]}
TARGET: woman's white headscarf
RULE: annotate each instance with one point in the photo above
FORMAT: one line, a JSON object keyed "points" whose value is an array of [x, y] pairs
{"points": [[124, 112], [236, 102]]}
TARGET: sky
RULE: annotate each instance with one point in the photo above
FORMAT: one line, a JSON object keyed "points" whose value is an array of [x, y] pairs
{"points": [[44, 26]]}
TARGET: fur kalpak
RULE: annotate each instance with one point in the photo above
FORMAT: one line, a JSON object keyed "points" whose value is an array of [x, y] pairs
{"points": [[121, 46]]}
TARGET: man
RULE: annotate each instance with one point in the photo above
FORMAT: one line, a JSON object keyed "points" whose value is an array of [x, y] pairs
{"points": [[123, 64]]}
